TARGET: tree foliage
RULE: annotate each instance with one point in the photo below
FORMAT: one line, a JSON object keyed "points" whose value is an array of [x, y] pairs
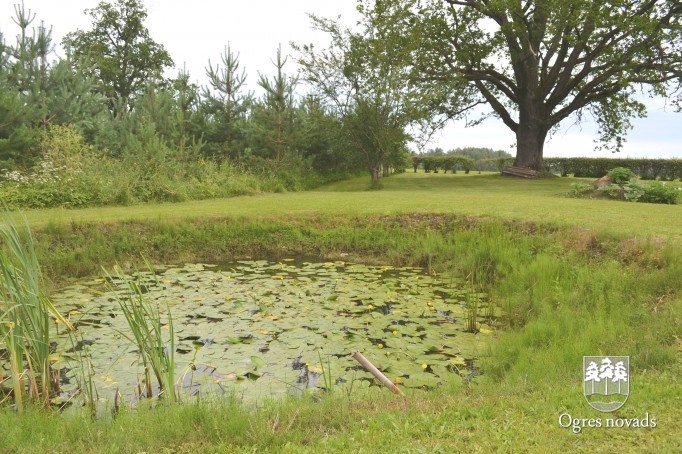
{"points": [[535, 63], [118, 51], [226, 102], [363, 77], [277, 105], [36, 91]]}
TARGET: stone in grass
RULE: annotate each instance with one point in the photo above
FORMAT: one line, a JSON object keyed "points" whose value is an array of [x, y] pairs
{"points": [[600, 183]]}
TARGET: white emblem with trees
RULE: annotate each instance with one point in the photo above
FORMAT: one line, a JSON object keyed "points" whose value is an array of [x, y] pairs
{"points": [[598, 372]]}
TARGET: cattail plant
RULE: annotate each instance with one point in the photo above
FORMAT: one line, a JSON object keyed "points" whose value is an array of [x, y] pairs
{"points": [[26, 318], [146, 331]]}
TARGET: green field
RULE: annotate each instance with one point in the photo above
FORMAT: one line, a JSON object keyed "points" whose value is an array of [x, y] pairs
{"points": [[570, 277], [542, 201]]}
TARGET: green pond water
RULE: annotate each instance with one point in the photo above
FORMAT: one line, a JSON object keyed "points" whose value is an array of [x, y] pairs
{"points": [[259, 329]]}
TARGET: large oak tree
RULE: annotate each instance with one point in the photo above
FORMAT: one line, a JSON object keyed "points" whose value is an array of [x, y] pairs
{"points": [[535, 63], [118, 51]]}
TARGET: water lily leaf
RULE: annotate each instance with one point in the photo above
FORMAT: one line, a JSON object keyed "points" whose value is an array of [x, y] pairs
{"points": [[258, 362], [457, 361], [267, 316], [233, 340]]}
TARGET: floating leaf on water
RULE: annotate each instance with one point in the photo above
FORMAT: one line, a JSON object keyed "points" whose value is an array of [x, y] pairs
{"points": [[281, 309], [257, 362], [458, 361], [233, 340]]}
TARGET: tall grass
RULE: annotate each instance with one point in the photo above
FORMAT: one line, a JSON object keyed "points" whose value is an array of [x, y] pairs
{"points": [[471, 307], [85, 376], [146, 332], [70, 175], [26, 317]]}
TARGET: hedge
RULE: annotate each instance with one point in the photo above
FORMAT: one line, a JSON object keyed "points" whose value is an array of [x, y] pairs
{"points": [[646, 169]]}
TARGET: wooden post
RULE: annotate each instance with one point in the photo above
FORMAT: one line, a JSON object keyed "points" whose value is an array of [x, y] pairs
{"points": [[377, 373]]}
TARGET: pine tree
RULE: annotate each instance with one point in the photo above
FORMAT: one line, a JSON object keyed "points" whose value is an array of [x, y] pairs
{"points": [[225, 102], [279, 101]]}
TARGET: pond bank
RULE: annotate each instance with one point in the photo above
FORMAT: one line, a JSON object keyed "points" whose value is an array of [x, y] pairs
{"points": [[561, 293]]}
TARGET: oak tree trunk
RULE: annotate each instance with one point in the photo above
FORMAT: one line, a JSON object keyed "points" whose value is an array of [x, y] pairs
{"points": [[530, 142], [531, 134]]}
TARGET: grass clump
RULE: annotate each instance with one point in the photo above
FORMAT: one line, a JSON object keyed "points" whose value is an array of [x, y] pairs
{"points": [[26, 317], [146, 332]]}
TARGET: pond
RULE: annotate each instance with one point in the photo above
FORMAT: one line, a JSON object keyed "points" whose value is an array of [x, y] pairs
{"points": [[260, 329]]}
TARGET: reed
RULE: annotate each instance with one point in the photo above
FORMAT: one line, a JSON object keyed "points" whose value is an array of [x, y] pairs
{"points": [[26, 318], [157, 353], [85, 376], [471, 306]]}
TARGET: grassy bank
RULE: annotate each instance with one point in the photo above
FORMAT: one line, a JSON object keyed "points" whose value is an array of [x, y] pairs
{"points": [[542, 201], [570, 278]]}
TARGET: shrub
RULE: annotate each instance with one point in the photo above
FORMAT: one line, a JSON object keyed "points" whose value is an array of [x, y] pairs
{"points": [[465, 163], [633, 191], [646, 169], [43, 195], [580, 190], [659, 192], [613, 191], [620, 175]]}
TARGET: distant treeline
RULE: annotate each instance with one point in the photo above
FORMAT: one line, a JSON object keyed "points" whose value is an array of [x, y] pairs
{"points": [[465, 159]]}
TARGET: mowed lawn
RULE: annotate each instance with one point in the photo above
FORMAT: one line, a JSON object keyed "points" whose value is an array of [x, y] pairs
{"points": [[543, 201]]}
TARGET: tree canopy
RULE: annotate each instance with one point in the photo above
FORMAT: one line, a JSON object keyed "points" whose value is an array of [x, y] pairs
{"points": [[363, 77], [535, 63], [118, 51]]}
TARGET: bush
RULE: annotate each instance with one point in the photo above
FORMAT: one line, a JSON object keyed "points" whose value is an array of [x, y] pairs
{"points": [[580, 190], [658, 192], [613, 191], [646, 169], [43, 195], [633, 191], [620, 175]]}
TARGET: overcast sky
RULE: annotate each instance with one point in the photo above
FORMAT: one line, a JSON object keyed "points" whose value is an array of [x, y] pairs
{"points": [[194, 32]]}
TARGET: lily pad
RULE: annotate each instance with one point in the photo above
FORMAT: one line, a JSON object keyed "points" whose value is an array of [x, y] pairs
{"points": [[252, 320]]}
